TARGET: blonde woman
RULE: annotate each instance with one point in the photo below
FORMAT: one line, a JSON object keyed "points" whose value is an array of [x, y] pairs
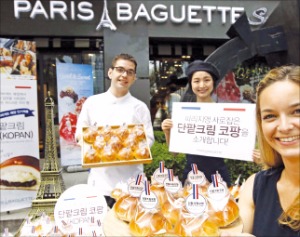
{"points": [[270, 200]]}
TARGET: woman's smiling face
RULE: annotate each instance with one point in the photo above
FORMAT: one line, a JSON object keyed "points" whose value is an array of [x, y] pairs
{"points": [[280, 114], [202, 85]]}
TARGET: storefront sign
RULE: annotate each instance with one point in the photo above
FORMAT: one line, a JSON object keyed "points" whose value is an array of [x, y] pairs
{"points": [[225, 130], [74, 85], [19, 136], [114, 14]]}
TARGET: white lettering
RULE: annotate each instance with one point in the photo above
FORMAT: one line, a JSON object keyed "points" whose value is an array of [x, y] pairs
{"points": [[85, 12], [223, 11], [142, 12], [192, 11], [38, 9], [208, 10], [84, 7], [177, 20], [21, 6], [160, 13], [72, 10], [163, 14], [58, 7], [236, 13], [124, 12]]}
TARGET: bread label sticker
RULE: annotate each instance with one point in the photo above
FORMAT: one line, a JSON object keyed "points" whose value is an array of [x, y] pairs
{"points": [[148, 201], [172, 186], [217, 192], [196, 178], [135, 190], [196, 204], [160, 175]]}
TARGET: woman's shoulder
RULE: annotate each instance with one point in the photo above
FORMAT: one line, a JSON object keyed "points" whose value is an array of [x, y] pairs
{"points": [[271, 172]]}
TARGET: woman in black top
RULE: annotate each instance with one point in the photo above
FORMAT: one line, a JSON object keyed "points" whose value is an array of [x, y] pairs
{"points": [[270, 200], [202, 79]]}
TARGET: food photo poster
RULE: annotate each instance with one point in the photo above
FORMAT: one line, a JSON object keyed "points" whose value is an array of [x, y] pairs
{"points": [[74, 86], [19, 134]]}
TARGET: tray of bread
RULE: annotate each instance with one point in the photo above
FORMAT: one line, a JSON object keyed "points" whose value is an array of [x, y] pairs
{"points": [[163, 207], [114, 145], [113, 226]]}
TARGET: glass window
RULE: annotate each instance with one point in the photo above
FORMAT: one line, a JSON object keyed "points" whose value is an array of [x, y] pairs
{"points": [[48, 79], [166, 76]]}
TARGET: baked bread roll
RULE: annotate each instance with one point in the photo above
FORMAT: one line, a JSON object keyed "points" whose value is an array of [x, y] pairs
{"points": [[122, 132], [91, 156], [108, 154], [172, 210], [90, 134], [142, 152], [116, 193], [20, 172], [148, 223], [125, 207], [131, 141], [125, 154], [99, 143], [190, 225], [115, 143], [160, 192], [228, 215]]}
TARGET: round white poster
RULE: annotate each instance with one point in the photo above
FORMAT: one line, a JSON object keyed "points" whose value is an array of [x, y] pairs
{"points": [[80, 211]]}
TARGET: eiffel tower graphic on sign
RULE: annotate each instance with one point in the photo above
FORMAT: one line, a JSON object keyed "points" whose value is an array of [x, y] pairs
{"points": [[105, 19]]}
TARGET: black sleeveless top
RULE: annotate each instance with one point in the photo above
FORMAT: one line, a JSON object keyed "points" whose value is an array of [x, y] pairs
{"points": [[267, 206]]}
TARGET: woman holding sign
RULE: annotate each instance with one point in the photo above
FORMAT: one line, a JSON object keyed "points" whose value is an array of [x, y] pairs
{"points": [[269, 201], [202, 80]]}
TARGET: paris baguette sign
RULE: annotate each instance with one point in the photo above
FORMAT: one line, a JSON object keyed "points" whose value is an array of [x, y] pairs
{"points": [[134, 12]]}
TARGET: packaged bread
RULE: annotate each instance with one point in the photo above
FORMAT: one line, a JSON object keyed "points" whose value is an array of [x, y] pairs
{"points": [[148, 222], [91, 156], [195, 225], [160, 192], [224, 209], [125, 207], [115, 145], [227, 216], [171, 209], [90, 134]]}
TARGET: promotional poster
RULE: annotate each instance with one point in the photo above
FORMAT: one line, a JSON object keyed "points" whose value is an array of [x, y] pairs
{"points": [[17, 59], [214, 129], [19, 137], [74, 85]]}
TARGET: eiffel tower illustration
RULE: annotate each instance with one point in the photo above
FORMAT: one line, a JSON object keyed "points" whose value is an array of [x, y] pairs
{"points": [[105, 19], [52, 184]]}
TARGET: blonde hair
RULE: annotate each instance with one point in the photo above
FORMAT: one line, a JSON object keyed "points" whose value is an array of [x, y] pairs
{"points": [[271, 158]]}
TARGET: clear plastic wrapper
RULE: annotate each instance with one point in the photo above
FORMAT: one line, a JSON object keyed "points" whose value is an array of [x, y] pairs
{"points": [[195, 225], [149, 222]]}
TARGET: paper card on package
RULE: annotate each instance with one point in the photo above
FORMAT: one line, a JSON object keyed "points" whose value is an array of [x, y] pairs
{"points": [[225, 130], [114, 145]]}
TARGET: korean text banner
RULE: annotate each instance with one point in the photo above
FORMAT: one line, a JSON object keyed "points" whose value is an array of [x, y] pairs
{"points": [[19, 138], [225, 130], [74, 85]]}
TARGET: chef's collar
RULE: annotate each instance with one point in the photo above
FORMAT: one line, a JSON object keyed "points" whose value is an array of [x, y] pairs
{"points": [[112, 98]]}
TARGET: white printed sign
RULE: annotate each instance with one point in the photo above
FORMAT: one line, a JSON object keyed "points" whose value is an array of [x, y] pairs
{"points": [[225, 130], [80, 209]]}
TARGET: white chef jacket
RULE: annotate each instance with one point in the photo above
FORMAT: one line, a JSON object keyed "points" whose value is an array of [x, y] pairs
{"points": [[106, 109]]}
